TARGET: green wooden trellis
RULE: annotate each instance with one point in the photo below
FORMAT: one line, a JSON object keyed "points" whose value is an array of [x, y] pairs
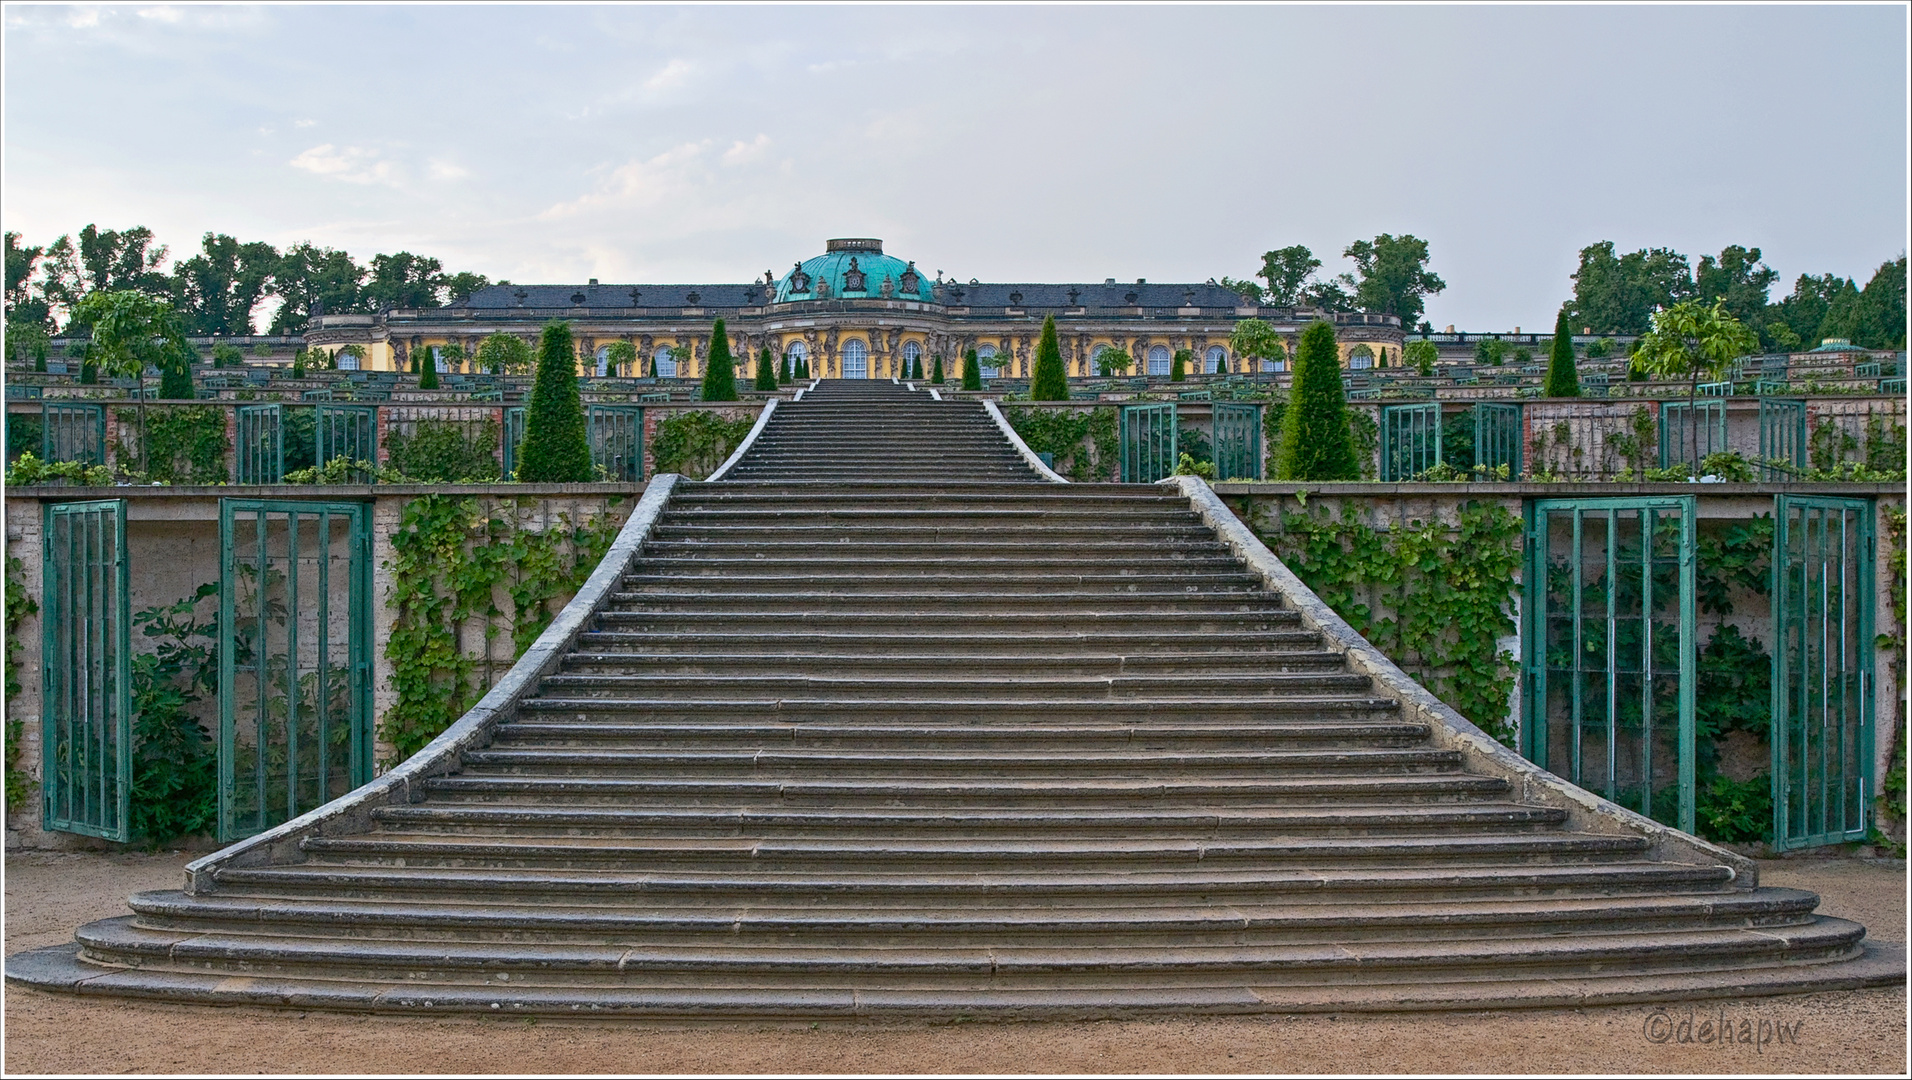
{"points": [[617, 441], [1676, 430], [1237, 441], [1609, 655], [295, 679], [73, 432], [1822, 725], [86, 671], [1410, 440], [345, 431], [514, 438], [1782, 435], [1498, 436], [1149, 442], [260, 444]]}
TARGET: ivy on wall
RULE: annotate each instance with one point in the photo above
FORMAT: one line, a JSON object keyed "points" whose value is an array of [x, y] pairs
{"points": [[456, 559], [445, 451], [183, 445], [1083, 442], [1892, 801], [20, 606], [694, 443], [1435, 598]]}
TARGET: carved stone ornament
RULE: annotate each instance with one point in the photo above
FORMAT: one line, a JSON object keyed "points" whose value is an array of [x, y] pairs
{"points": [[853, 278]]}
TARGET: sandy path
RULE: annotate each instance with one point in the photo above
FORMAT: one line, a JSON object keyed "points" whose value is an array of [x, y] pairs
{"points": [[47, 895]]}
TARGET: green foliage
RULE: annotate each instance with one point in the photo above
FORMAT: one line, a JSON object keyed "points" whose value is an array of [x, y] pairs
{"points": [[1178, 366], [936, 372], [694, 442], [176, 383], [1254, 341], [175, 766], [427, 368], [444, 452], [1421, 355], [556, 449], [504, 354], [972, 371], [1617, 294], [1735, 686], [766, 370], [1110, 360], [225, 354], [1194, 442], [182, 445], [1394, 278], [1435, 598], [20, 607], [1364, 435], [298, 364], [25, 435], [455, 560], [1315, 442], [720, 369], [1188, 466], [1563, 378], [1599, 349], [1048, 382], [916, 368], [620, 358], [28, 469], [1084, 443], [1491, 352], [341, 470], [1735, 811]]}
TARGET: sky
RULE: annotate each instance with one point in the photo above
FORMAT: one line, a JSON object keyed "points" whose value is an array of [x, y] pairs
{"points": [[673, 144]]}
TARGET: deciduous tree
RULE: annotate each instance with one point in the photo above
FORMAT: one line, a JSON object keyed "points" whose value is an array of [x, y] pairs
{"points": [[1690, 340]]}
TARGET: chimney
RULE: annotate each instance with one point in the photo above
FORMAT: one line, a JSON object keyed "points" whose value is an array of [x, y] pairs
{"points": [[1450, 328]]}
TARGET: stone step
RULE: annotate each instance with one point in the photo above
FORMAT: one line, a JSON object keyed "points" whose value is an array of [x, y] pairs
{"points": [[974, 665], [740, 580], [899, 619], [704, 762], [1053, 688], [925, 706], [1184, 643], [557, 732]]}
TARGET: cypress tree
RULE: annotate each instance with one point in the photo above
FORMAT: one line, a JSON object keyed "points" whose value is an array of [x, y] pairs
{"points": [[1315, 441], [785, 375], [720, 370], [427, 367], [39, 357], [916, 367], [176, 380], [936, 373], [972, 371], [1178, 366], [803, 367], [1047, 382], [298, 364], [555, 449], [766, 371], [1562, 378]]}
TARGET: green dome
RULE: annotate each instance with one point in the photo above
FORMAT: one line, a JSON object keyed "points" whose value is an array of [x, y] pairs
{"points": [[841, 266]]}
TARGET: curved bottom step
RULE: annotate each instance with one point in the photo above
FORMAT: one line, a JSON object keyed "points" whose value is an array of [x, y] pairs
{"points": [[58, 968]]}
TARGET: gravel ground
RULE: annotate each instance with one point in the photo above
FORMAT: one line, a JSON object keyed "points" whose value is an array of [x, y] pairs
{"points": [[47, 895]]}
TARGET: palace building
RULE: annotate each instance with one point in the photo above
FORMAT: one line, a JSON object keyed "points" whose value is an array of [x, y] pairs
{"points": [[856, 312]]}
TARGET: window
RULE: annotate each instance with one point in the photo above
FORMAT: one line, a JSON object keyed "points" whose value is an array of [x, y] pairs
{"points": [[986, 360], [438, 361], [603, 360], [347, 360], [856, 359], [1217, 359], [1274, 365], [1158, 360], [1361, 356], [912, 352], [665, 363], [796, 352]]}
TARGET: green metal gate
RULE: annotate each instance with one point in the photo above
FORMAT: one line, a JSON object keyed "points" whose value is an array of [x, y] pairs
{"points": [[514, 438], [295, 680], [1149, 444], [260, 445], [1498, 436], [73, 433], [1782, 435], [345, 431], [1610, 656], [1237, 441], [86, 714], [1822, 670], [1677, 420], [617, 441], [1410, 440]]}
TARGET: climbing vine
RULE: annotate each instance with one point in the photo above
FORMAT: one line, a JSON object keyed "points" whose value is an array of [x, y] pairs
{"points": [[1365, 431], [1083, 442], [456, 560], [20, 606], [694, 443], [1436, 598], [183, 445], [1892, 795]]}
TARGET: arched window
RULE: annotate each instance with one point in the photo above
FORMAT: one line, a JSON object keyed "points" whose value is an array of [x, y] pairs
{"points": [[1217, 360], [986, 361], [856, 359], [603, 360], [664, 363], [1361, 356], [912, 352], [1274, 365], [346, 359], [1158, 360]]}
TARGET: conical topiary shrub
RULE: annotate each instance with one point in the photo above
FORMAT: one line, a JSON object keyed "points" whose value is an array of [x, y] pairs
{"points": [[1048, 382], [972, 371], [1315, 441], [1178, 366], [784, 375], [766, 370], [427, 367], [916, 367], [556, 449], [720, 370], [1562, 379], [936, 373]]}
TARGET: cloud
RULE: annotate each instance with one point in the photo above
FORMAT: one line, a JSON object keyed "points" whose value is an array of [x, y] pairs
{"points": [[445, 170], [352, 164], [743, 153], [303, 123], [681, 170], [671, 75], [163, 13]]}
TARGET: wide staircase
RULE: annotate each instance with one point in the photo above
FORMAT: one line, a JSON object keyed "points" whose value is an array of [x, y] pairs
{"points": [[859, 744]]}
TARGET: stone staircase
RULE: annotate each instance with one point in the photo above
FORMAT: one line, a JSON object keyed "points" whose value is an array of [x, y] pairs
{"points": [[863, 745]]}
